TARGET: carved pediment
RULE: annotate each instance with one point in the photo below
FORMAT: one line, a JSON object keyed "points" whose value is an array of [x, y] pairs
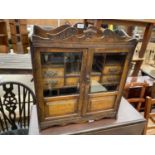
{"points": [[64, 34], [68, 33]]}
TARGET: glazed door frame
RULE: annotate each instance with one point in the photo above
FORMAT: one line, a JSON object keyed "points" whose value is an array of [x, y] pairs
{"points": [[117, 93], [39, 81], [87, 60]]}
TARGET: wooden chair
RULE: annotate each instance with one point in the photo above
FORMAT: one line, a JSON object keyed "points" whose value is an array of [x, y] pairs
{"points": [[16, 100], [150, 116], [137, 101]]}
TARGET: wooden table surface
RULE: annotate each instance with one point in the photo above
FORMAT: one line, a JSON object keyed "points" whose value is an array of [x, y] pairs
{"points": [[141, 79], [148, 70], [15, 64], [129, 122]]}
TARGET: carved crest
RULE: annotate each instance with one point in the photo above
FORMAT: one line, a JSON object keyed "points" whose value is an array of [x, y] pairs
{"points": [[63, 35], [69, 33]]}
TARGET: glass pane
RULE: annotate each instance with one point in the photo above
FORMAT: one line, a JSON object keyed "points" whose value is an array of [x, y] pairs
{"points": [[61, 73], [73, 63], [53, 59], [106, 72]]}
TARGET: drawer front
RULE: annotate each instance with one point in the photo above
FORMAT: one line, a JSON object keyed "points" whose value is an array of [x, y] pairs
{"points": [[101, 103], [52, 72], [112, 69], [53, 83], [110, 79], [95, 78], [61, 107], [72, 81]]}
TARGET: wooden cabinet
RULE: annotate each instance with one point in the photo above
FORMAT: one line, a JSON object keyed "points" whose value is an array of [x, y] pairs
{"points": [[79, 75], [3, 37], [19, 35]]}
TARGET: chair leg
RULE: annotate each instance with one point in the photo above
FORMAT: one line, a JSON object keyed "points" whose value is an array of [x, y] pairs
{"points": [[139, 106]]}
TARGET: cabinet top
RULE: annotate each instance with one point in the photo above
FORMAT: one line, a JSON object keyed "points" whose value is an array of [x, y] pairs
{"points": [[73, 36]]}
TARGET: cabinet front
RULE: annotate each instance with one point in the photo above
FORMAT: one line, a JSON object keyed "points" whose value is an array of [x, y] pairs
{"points": [[61, 71], [79, 73], [103, 81], [79, 82]]}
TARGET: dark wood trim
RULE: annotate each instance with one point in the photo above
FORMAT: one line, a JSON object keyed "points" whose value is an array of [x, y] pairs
{"points": [[15, 71], [88, 68]]}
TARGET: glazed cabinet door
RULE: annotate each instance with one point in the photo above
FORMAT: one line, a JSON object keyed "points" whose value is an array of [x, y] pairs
{"points": [[103, 80], [62, 82]]}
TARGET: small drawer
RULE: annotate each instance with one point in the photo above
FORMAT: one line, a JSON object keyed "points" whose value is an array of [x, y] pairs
{"points": [[72, 81], [110, 79], [112, 69], [52, 72], [61, 107], [53, 83], [95, 78], [101, 103]]}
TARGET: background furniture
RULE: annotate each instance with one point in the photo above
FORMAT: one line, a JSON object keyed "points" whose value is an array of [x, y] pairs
{"points": [[149, 56], [3, 37], [148, 66], [15, 103], [138, 100], [135, 92], [19, 35], [79, 74], [141, 79], [15, 64], [149, 115], [148, 70], [148, 24], [128, 122]]}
